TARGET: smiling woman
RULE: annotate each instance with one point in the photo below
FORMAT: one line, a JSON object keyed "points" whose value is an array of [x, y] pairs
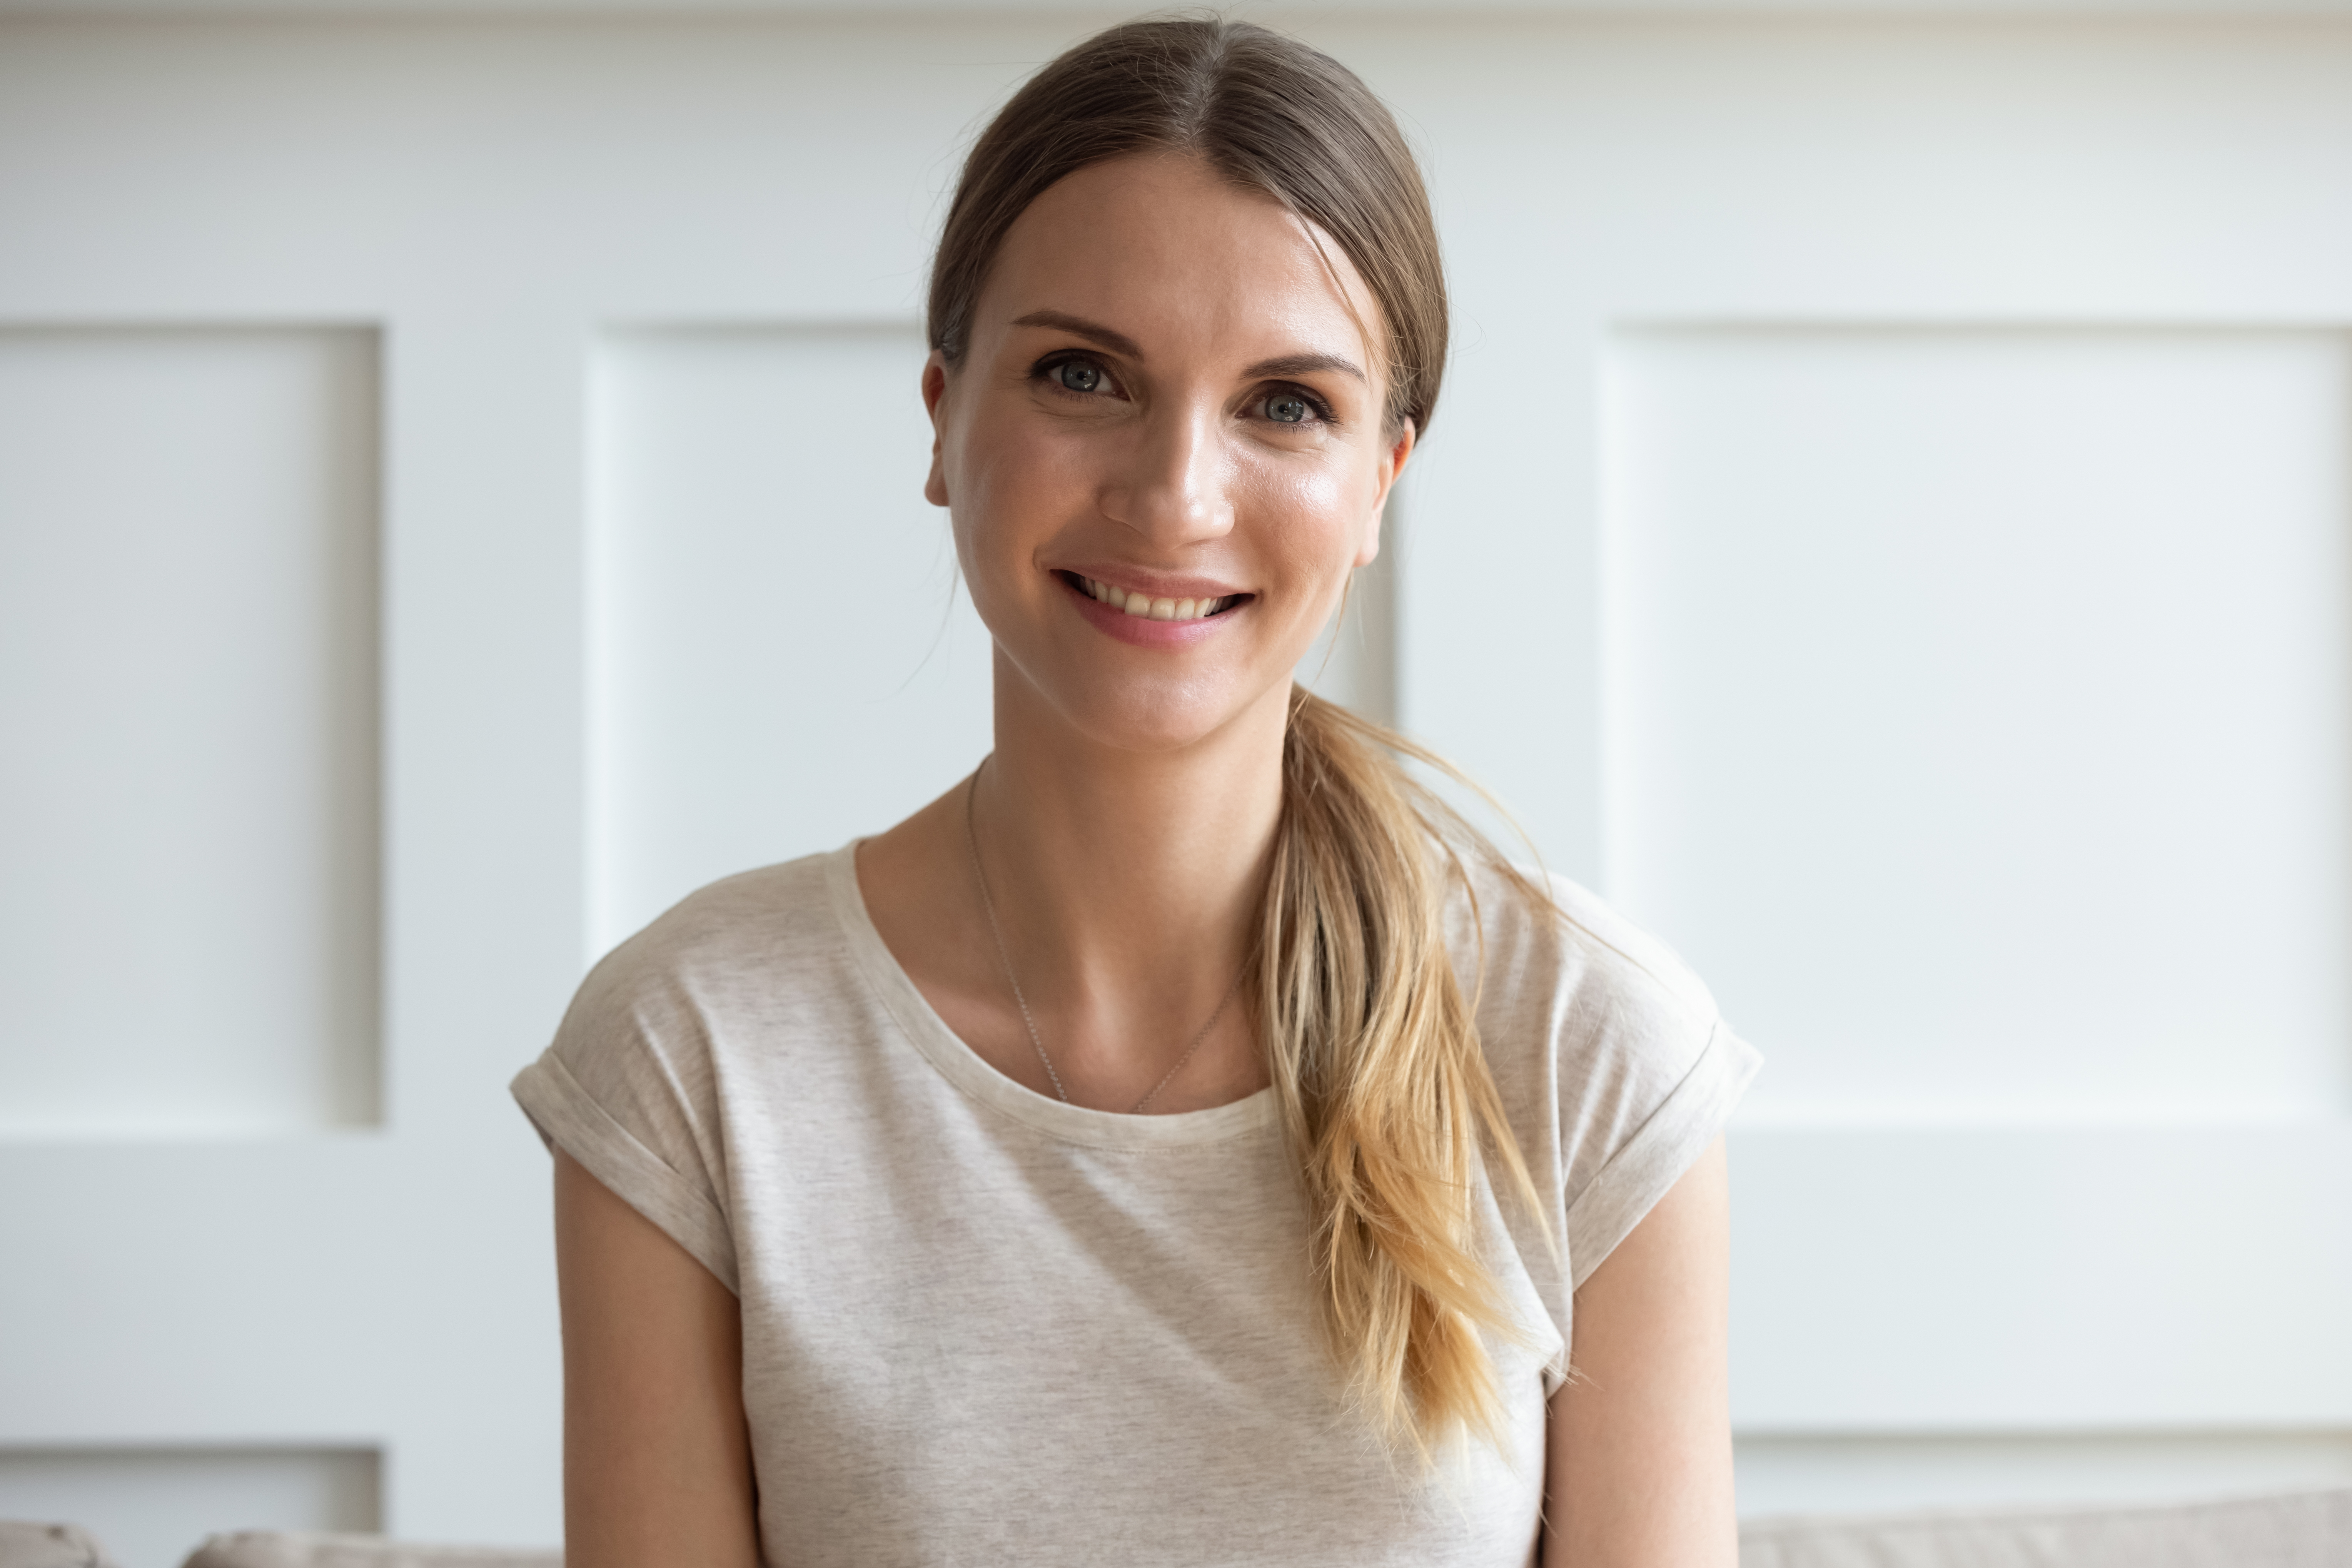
{"points": [[1184, 1142]]}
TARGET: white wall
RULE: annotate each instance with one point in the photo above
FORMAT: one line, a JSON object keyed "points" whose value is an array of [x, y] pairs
{"points": [[1886, 526]]}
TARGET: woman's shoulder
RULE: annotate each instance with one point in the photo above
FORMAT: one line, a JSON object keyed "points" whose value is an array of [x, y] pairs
{"points": [[633, 1085], [750, 919], [737, 947], [1613, 1062], [1540, 945]]}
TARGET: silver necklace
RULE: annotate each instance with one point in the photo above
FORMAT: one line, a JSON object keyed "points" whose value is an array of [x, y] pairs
{"points": [[971, 842]]}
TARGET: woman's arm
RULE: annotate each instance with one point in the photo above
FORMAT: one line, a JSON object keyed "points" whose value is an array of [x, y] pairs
{"points": [[657, 1461], [1639, 1472]]}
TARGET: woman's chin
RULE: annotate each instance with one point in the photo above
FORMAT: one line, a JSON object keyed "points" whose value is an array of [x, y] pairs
{"points": [[1130, 724], [1162, 716], [1140, 697]]}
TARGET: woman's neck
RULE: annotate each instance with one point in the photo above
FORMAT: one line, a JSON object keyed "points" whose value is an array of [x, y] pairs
{"points": [[1127, 886], [1121, 868]]}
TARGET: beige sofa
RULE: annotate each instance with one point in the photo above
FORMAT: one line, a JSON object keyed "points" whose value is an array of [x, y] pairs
{"points": [[65, 1546], [2301, 1529]]}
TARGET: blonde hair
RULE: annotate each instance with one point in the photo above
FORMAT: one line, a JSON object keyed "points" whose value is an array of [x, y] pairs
{"points": [[1373, 1047], [1384, 1088]]}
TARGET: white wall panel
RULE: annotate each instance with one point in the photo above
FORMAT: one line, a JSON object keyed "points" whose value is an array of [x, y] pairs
{"points": [[151, 1507], [1981, 710], [2054, 1278], [188, 818], [782, 654]]}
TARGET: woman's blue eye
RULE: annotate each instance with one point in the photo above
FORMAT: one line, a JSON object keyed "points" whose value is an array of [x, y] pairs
{"points": [[1285, 409], [1077, 375]]}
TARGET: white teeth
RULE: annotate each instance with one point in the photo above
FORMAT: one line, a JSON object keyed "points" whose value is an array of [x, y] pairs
{"points": [[1143, 605]]}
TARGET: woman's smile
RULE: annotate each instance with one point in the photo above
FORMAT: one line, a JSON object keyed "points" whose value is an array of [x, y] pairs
{"points": [[1151, 611], [1159, 602]]}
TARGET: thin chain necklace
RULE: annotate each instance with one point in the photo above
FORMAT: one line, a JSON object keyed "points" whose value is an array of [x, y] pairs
{"points": [[971, 842]]}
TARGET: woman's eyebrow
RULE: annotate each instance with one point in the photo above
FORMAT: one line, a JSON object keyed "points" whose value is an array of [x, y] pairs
{"points": [[1300, 364], [1078, 326], [1120, 343]]}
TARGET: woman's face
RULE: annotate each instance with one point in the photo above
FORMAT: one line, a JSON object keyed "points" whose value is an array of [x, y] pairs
{"points": [[1166, 405]]}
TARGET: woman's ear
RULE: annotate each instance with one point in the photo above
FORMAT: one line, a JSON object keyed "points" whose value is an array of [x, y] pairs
{"points": [[1392, 462], [935, 391]]}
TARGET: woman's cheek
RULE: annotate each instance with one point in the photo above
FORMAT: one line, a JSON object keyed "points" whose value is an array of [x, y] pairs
{"points": [[1321, 516], [1034, 480], [999, 491], [1326, 486], [980, 515]]}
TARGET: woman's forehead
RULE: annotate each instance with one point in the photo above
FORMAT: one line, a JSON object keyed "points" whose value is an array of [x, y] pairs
{"points": [[1164, 250]]}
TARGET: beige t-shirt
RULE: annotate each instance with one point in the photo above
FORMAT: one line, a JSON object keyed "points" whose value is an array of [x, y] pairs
{"points": [[981, 1326]]}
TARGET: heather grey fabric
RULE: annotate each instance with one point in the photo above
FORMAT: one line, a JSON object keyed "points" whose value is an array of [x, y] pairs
{"points": [[2305, 1530], [982, 1326], [24, 1544], [290, 1549]]}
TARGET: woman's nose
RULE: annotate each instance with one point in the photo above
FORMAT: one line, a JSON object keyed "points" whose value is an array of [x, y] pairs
{"points": [[1171, 483]]}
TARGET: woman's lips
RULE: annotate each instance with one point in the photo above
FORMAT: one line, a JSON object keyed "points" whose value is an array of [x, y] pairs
{"points": [[1146, 629]]}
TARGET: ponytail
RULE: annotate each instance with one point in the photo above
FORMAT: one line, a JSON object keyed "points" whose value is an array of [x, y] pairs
{"points": [[1384, 1092]]}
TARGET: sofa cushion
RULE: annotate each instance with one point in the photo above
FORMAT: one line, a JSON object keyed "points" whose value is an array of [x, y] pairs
{"points": [[290, 1549], [2303, 1529]]}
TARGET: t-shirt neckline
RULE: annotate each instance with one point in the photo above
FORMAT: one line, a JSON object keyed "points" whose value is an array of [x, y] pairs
{"points": [[969, 1071]]}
